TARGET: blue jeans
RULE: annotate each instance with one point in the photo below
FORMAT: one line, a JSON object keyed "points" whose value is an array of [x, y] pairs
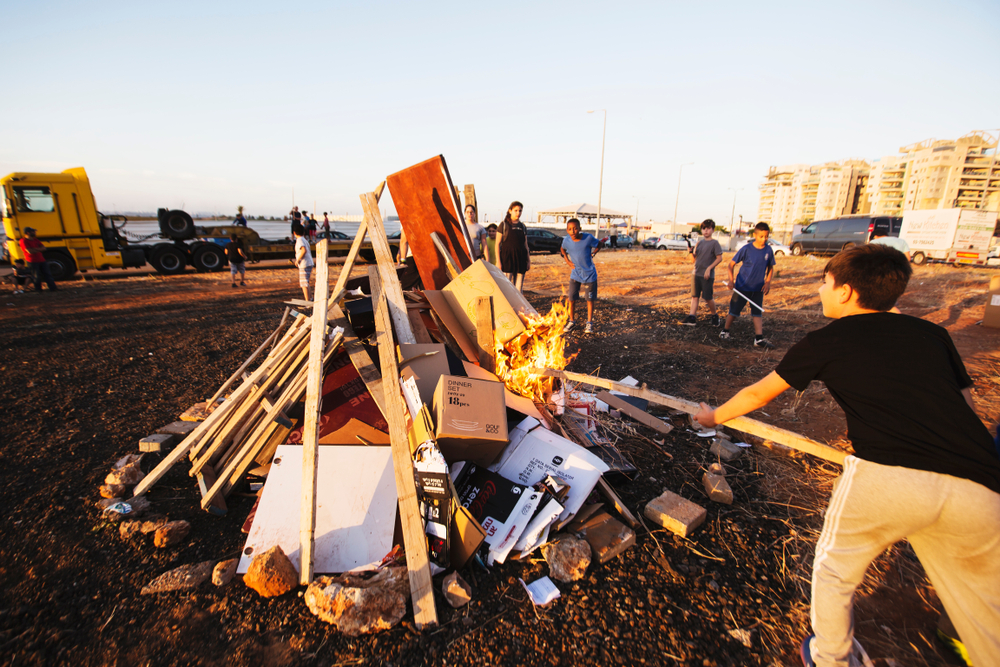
{"points": [[40, 271]]}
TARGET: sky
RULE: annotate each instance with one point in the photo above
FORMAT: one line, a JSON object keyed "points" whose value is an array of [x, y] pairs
{"points": [[209, 105]]}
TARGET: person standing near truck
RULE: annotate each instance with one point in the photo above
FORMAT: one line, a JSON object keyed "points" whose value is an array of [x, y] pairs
{"points": [[33, 251], [237, 259], [303, 260]]}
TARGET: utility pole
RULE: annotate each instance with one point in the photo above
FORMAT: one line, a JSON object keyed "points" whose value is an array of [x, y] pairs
{"points": [[680, 172], [600, 187]]}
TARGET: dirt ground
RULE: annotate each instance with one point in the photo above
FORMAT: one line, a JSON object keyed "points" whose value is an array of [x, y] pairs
{"points": [[89, 370]]}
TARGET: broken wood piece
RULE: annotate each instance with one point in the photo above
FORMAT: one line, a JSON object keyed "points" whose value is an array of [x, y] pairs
{"points": [[387, 270], [414, 540], [310, 427], [605, 490], [445, 255], [744, 424], [484, 333], [635, 413], [420, 332], [206, 478]]}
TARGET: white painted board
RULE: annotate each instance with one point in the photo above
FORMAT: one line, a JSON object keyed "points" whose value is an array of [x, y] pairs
{"points": [[355, 508]]}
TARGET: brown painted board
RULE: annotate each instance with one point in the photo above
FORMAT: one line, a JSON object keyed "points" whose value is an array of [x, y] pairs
{"points": [[425, 201], [635, 413]]}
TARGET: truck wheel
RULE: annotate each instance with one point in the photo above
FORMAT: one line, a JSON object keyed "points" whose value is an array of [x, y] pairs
{"points": [[169, 261], [209, 258], [368, 256], [61, 265], [797, 249], [177, 225], [918, 258]]}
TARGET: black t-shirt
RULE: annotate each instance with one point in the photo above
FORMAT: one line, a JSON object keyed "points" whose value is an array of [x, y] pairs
{"points": [[899, 380], [233, 253]]}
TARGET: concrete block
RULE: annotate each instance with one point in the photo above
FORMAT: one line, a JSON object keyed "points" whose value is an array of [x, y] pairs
{"points": [[726, 450], [180, 429], [608, 539], [674, 513], [156, 443], [718, 488]]}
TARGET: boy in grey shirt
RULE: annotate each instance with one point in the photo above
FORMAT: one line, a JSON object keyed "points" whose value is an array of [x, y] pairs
{"points": [[706, 256]]}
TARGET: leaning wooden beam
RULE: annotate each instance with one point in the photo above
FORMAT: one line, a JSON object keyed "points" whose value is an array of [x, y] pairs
{"points": [[310, 427], [246, 364], [744, 424], [352, 255], [414, 540], [387, 269], [484, 333], [635, 413], [445, 255]]}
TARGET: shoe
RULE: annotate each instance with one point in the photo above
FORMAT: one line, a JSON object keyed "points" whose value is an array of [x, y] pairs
{"points": [[689, 321], [762, 342], [857, 658], [569, 326], [234, 285], [716, 321], [242, 284], [589, 328], [724, 334]]}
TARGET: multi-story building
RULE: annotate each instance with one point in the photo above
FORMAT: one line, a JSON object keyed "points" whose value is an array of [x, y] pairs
{"points": [[799, 194]]}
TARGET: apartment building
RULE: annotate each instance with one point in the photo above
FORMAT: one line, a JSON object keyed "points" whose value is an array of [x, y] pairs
{"points": [[799, 193]]}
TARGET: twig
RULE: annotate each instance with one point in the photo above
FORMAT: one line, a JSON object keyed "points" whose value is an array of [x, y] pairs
{"points": [[109, 619]]}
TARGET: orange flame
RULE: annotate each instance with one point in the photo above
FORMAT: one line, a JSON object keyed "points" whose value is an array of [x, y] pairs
{"points": [[540, 345]]}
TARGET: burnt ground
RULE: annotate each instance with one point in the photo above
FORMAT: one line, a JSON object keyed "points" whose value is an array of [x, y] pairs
{"points": [[89, 370]]}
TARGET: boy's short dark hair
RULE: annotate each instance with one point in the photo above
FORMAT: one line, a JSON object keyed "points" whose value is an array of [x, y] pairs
{"points": [[233, 237], [572, 220], [878, 274], [710, 224], [492, 225], [762, 227], [299, 229]]}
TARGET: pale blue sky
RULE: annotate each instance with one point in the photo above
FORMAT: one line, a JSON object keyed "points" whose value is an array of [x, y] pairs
{"points": [[206, 105]]}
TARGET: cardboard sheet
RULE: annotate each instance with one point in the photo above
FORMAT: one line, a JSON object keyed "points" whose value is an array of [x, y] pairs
{"points": [[514, 401], [509, 305], [355, 508]]}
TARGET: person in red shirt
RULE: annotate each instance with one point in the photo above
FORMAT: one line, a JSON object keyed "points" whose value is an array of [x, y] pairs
{"points": [[33, 252]]}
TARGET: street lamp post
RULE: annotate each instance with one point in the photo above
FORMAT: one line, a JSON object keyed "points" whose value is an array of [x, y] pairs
{"points": [[677, 200], [600, 186], [732, 216]]}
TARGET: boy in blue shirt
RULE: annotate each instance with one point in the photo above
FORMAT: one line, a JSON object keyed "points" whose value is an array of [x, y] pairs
{"points": [[754, 281], [578, 250]]}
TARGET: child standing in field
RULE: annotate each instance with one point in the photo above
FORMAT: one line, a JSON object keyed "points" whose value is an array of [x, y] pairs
{"points": [[20, 276], [578, 250], [706, 256], [237, 259], [756, 262]]}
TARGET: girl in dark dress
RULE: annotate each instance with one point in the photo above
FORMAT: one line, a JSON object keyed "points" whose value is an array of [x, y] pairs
{"points": [[512, 243]]}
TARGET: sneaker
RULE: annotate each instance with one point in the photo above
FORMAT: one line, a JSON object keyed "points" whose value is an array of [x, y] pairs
{"points": [[724, 334], [690, 321], [589, 328], [242, 284], [234, 285], [858, 657], [760, 341], [569, 326], [716, 321]]}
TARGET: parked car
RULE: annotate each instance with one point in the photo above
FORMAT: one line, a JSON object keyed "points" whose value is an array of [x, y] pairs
{"points": [[674, 242], [542, 240], [623, 241], [832, 236], [650, 242], [777, 248]]}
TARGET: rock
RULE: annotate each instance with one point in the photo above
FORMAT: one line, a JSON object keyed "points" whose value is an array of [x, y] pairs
{"points": [[126, 471], [360, 606], [159, 442], [152, 523], [113, 490], [675, 513], [171, 533], [456, 591], [568, 558], [139, 506], [717, 469], [105, 503], [608, 538], [129, 529], [271, 573], [717, 488], [726, 450], [180, 429], [183, 578], [224, 571]]}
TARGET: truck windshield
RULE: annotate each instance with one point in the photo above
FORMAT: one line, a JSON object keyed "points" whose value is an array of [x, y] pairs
{"points": [[34, 200]]}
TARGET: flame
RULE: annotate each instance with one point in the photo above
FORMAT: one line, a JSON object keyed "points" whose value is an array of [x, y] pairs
{"points": [[540, 345]]}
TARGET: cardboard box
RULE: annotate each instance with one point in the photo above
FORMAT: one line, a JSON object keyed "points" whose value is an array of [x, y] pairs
{"points": [[484, 279], [425, 363], [470, 419], [466, 536], [991, 318]]}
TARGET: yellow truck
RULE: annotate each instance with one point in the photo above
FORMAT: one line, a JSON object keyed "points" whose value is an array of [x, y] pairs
{"points": [[78, 237]]}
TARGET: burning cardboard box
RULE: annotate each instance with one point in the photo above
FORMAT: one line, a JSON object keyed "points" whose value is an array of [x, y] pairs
{"points": [[470, 419], [509, 305]]}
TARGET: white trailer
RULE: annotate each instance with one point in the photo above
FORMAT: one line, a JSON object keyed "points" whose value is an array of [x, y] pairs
{"points": [[954, 235]]}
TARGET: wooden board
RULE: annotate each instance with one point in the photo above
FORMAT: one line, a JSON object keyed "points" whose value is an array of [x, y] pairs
{"points": [[414, 540], [352, 255], [387, 270], [484, 333], [425, 201], [635, 413]]}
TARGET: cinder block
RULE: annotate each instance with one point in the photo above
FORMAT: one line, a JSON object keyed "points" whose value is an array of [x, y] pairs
{"points": [[180, 429], [608, 539], [726, 450], [156, 443], [676, 514], [718, 488]]}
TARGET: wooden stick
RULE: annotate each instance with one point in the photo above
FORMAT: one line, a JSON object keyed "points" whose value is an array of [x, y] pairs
{"points": [[352, 255], [445, 255], [484, 333], [310, 427], [414, 540], [635, 413], [417, 324], [239, 371], [387, 270], [206, 478], [612, 497], [744, 424]]}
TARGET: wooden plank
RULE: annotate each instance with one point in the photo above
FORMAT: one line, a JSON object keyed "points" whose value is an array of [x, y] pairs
{"points": [[352, 255], [484, 333], [206, 478], [470, 198], [424, 197], [744, 424], [387, 270], [414, 540], [420, 332], [241, 370], [605, 489], [635, 413], [310, 426], [369, 373]]}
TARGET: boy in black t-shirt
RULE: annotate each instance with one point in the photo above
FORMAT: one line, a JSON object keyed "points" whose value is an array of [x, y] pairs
{"points": [[924, 467], [237, 259]]}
